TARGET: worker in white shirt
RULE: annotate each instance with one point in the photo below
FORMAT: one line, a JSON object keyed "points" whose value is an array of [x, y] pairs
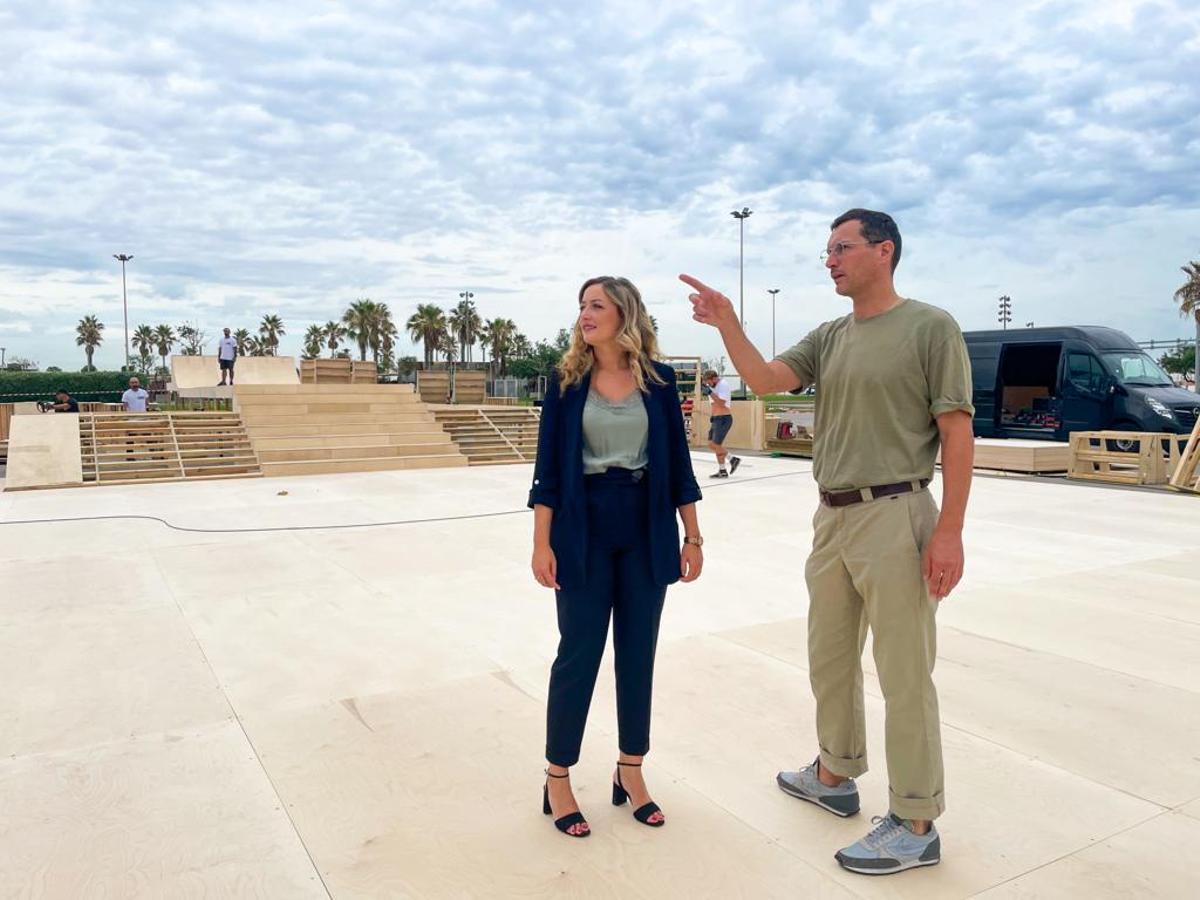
{"points": [[135, 399], [226, 355], [720, 422]]}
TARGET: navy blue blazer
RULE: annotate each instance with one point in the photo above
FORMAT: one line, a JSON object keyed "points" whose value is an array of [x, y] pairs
{"points": [[558, 476]]}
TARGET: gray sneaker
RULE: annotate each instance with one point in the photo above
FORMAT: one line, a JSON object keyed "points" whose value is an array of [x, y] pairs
{"points": [[891, 847], [841, 800]]}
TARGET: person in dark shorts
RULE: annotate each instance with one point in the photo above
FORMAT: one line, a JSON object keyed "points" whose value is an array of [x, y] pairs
{"points": [[227, 355], [720, 422]]}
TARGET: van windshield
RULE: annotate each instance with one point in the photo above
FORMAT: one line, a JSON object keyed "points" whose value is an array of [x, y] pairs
{"points": [[1136, 369]]}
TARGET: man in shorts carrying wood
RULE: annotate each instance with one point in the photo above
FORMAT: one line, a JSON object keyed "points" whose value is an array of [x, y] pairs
{"points": [[720, 421]]}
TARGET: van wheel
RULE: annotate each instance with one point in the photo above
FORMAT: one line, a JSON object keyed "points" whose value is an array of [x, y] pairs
{"points": [[1124, 445]]}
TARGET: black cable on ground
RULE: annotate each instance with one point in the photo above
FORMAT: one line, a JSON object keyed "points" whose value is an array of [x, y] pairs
{"points": [[263, 530]]}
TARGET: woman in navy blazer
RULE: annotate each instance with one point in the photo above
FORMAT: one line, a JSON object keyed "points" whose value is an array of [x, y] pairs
{"points": [[608, 542]]}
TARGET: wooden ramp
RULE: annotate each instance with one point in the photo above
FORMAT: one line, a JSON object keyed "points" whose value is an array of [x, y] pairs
{"points": [[120, 448], [491, 435], [43, 452], [190, 372], [307, 429]]}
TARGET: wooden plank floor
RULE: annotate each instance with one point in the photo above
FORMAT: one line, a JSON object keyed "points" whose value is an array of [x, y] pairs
{"points": [[360, 712]]}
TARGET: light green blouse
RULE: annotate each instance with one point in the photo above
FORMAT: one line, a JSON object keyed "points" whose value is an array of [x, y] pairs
{"points": [[614, 434]]}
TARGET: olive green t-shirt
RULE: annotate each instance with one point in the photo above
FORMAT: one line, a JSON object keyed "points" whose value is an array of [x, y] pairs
{"points": [[880, 384]]}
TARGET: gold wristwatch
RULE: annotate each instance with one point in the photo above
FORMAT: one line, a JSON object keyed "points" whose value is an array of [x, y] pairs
{"points": [[697, 540]]}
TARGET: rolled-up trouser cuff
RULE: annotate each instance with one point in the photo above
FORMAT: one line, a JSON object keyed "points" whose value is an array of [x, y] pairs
{"points": [[917, 807], [846, 768]]}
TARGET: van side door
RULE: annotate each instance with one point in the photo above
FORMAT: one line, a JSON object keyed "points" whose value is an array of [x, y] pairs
{"points": [[1086, 400]]}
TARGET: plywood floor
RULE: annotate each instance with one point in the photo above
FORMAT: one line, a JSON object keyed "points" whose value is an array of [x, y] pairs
{"points": [[360, 712]]}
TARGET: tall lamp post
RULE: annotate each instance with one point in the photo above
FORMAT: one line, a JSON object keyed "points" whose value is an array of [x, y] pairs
{"points": [[124, 258], [773, 292], [745, 213]]}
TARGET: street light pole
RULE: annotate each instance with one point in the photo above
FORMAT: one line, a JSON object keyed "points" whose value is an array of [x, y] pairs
{"points": [[466, 295], [745, 213], [124, 258], [773, 292]]}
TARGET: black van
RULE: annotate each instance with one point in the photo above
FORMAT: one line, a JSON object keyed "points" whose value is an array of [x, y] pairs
{"points": [[1047, 382]]}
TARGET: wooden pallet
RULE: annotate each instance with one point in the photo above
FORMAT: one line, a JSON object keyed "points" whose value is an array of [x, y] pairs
{"points": [[1149, 464], [1186, 474], [801, 446]]}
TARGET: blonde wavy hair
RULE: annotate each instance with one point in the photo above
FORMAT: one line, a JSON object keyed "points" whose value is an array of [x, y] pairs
{"points": [[636, 337]]}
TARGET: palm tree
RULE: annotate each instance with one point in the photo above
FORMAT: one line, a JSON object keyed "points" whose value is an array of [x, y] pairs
{"points": [[334, 332], [143, 342], [362, 324], [314, 340], [242, 337], [164, 337], [271, 330], [448, 347], [502, 334], [259, 346], [426, 326], [465, 325], [384, 343], [88, 337], [1189, 305], [485, 338]]}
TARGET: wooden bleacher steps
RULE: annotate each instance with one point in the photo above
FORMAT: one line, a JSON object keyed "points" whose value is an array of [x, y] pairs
{"points": [[121, 448], [492, 435], [307, 429]]}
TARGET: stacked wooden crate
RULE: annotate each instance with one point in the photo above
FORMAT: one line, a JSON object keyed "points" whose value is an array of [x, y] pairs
{"points": [[338, 371], [1124, 457]]}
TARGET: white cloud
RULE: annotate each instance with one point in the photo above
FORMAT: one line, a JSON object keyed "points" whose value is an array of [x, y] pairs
{"points": [[291, 157]]}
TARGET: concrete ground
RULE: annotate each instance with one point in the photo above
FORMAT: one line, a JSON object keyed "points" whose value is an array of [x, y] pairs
{"points": [[359, 712]]}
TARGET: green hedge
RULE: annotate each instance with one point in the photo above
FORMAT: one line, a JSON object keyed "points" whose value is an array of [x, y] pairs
{"points": [[18, 387]]}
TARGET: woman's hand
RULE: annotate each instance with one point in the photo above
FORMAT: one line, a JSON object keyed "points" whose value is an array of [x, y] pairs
{"points": [[691, 561], [545, 566]]}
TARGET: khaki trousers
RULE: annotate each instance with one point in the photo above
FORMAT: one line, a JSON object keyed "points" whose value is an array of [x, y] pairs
{"points": [[865, 570]]}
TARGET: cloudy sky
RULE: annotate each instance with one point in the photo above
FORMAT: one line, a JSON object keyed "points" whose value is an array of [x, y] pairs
{"points": [[291, 157]]}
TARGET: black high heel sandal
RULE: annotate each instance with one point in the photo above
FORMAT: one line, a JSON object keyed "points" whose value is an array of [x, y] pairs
{"points": [[642, 813], [565, 822]]}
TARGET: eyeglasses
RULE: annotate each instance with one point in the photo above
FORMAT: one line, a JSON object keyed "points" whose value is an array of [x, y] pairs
{"points": [[842, 246]]}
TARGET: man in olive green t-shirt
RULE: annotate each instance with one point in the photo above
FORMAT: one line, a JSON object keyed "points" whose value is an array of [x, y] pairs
{"points": [[893, 385]]}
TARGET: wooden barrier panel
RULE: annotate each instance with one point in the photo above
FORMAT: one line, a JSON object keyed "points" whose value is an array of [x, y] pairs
{"points": [[749, 425], [1094, 459], [433, 386], [1186, 472], [338, 371], [205, 371]]}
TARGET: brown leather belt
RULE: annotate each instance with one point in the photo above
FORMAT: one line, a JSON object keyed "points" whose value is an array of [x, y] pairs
{"points": [[849, 498]]}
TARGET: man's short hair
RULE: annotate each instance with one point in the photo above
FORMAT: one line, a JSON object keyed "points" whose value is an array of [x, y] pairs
{"points": [[875, 226], [61, 391], [710, 374]]}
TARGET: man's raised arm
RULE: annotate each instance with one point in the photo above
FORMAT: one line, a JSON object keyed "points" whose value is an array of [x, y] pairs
{"points": [[713, 308]]}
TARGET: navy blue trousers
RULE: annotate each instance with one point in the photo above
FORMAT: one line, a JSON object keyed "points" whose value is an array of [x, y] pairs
{"points": [[619, 584]]}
